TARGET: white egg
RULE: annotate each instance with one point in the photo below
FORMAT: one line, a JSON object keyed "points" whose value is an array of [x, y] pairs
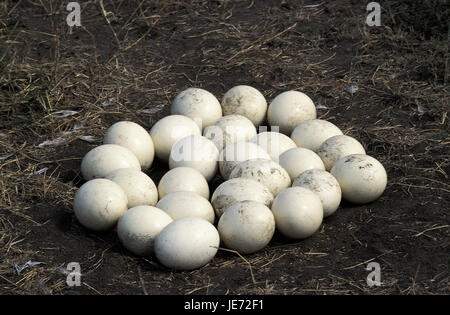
{"points": [[311, 134], [235, 153], [138, 228], [199, 105], [230, 129], [274, 143], [183, 179], [196, 152], [326, 187], [246, 226], [138, 186], [186, 244], [99, 203], [133, 137], [362, 178], [168, 130], [298, 212], [296, 161], [182, 204], [335, 148], [267, 172], [239, 189], [104, 159], [289, 109], [246, 101]]}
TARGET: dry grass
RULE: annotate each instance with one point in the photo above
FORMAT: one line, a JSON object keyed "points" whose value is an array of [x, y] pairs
{"points": [[130, 58]]}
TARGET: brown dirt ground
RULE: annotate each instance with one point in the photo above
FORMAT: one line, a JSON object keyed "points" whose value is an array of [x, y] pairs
{"points": [[129, 61]]}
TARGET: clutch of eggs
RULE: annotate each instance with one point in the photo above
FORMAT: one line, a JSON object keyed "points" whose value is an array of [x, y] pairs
{"points": [[289, 178]]}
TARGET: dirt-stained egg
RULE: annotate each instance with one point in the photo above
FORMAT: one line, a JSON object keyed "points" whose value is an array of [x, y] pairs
{"points": [[362, 178], [246, 226], [235, 153], [267, 172], [335, 148], [199, 105], [138, 228], [239, 189], [246, 101], [326, 187]]}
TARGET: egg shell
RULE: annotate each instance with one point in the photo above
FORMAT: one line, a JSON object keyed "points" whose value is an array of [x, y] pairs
{"points": [[274, 143], [246, 101], [337, 147], [138, 228], [311, 134], [133, 137], [298, 212], [186, 244], [183, 179], [102, 160], [297, 160], [99, 203], [168, 130], [246, 226], [182, 204], [326, 187], [289, 109], [235, 153], [230, 129], [138, 186], [267, 172], [239, 189], [199, 105], [197, 152], [362, 178]]}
